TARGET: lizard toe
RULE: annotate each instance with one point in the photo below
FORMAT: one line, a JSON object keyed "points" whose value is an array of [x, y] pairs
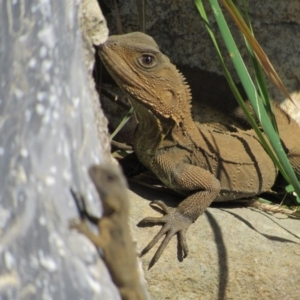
{"points": [[78, 225], [162, 231], [74, 223], [152, 221], [161, 248], [161, 205], [174, 222], [183, 243]]}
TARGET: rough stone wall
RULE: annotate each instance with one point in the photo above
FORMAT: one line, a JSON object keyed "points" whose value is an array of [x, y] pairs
{"points": [[48, 139], [180, 33]]}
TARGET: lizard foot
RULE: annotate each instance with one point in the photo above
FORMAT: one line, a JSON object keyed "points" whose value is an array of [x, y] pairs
{"points": [[174, 222], [79, 225]]}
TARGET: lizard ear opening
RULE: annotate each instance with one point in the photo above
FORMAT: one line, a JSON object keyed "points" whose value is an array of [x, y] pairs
{"points": [[169, 100], [168, 103]]}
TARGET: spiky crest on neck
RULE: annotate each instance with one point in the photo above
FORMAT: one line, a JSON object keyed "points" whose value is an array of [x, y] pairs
{"points": [[166, 98]]}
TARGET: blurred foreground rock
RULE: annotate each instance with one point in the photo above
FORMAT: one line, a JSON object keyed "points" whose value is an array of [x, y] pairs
{"points": [[48, 139]]}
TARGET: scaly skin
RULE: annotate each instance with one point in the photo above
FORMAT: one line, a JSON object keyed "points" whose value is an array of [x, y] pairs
{"points": [[202, 162]]}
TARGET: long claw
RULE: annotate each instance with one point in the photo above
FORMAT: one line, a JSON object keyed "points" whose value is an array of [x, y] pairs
{"points": [[162, 231], [78, 225], [152, 220], [183, 243], [161, 204], [73, 223], [160, 220], [174, 221], [160, 249]]}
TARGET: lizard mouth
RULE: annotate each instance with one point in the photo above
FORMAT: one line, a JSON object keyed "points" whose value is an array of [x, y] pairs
{"points": [[117, 68]]}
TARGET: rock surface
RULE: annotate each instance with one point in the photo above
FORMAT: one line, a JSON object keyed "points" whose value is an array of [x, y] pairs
{"points": [[181, 35], [234, 253], [48, 139]]}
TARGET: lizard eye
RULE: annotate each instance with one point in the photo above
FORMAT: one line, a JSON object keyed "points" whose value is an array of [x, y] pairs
{"points": [[147, 60]]}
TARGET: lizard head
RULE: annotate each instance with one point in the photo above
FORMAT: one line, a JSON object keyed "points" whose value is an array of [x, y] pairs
{"points": [[146, 75], [111, 186]]}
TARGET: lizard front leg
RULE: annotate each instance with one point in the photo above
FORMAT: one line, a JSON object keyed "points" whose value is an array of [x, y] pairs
{"points": [[80, 224], [203, 188], [82, 227]]}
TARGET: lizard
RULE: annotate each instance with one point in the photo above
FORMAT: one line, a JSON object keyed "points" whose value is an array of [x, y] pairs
{"points": [[198, 161], [119, 253]]}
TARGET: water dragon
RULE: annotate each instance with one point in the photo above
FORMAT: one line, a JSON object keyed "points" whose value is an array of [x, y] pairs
{"points": [[199, 161]]}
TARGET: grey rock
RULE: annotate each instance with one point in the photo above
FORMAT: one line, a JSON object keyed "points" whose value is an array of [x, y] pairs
{"points": [[234, 253], [48, 139], [181, 35]]}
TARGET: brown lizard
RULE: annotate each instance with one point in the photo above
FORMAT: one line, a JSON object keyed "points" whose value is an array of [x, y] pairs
{"points": [[196, 160], [119, 252]]}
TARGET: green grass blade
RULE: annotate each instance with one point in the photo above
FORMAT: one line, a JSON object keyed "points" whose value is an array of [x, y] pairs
{"points": [[260, 54], [283, 165], [232, 84], [259, 74], [277, 154], [123, 122]]}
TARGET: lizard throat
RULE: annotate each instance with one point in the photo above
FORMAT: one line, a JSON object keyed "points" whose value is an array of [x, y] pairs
{"points": [[156, 132]]}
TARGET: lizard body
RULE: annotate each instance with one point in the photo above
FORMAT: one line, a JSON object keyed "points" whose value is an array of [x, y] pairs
{"points": [[114, 239], [202, 162]]}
